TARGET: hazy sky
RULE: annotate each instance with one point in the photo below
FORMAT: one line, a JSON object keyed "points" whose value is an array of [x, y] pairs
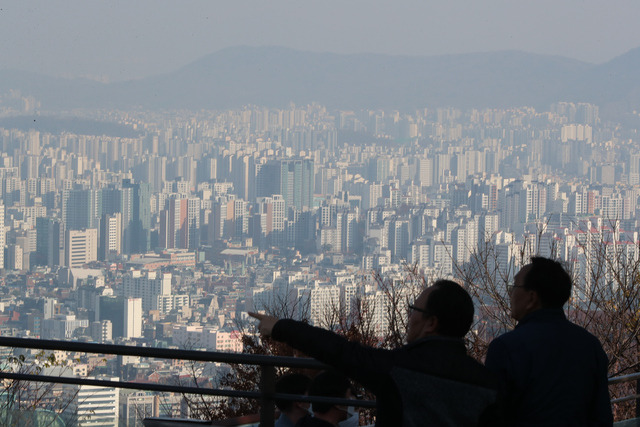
{"points": [[123, 39]]}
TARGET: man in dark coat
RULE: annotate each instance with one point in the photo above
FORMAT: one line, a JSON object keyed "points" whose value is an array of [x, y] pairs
{"points": [[429, 381], [555, 372]]}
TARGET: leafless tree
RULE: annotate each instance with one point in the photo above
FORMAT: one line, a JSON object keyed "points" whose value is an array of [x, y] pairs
{"points": [[22, 398]]}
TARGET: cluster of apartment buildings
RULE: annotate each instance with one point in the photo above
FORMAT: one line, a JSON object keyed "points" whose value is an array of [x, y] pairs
{"points": [[168, 238]]}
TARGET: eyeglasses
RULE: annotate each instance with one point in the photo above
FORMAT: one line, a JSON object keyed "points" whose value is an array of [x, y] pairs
{"points": [[414, 308], [511, 287]]}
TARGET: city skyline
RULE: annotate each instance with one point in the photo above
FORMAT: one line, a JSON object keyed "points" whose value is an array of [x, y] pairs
{"points": [[167, 168], [169, 237]]}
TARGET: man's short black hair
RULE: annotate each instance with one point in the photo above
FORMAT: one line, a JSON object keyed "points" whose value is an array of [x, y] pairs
{"points": [[291, 384], [452, 305], [550, 280], [328, 384]]}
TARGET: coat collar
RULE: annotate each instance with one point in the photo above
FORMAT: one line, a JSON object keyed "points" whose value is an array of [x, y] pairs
{"points": [[438, 340], [543, 315]]}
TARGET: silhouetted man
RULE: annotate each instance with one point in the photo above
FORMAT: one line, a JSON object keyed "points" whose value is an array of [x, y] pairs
{"points": [[429, 381], [554, 371]]}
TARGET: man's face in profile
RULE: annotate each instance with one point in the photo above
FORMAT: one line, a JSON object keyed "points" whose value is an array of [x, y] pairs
{"points": [[521, 298], [417, 319]]}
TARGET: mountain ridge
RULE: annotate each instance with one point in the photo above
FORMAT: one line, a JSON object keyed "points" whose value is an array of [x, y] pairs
{"points": [[276, 76]]}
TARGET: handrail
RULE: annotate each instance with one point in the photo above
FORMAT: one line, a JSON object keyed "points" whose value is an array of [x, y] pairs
{"points": [[266, 390], [163, 353], [636, 396], [624, 378], [180, 389]]}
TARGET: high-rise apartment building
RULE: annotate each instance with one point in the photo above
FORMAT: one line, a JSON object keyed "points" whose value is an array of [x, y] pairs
{"points": [[81, 208], [110, 236], [193, 218], [81, 247], [133, 318], [272, 214], [3, 236], [174, 224], [292, 178], [98, 406], [136, 217], [150, 286]]}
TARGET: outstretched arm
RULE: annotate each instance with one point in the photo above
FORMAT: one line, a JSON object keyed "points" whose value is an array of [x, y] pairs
{"points": [[364, 364]]}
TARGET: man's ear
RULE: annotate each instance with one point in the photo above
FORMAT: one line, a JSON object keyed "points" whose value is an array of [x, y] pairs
{"points": [[534, 302], [430, 326]]}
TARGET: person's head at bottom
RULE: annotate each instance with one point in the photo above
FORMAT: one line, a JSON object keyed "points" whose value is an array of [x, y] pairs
{"points": [[333, 384], [293, 384]]}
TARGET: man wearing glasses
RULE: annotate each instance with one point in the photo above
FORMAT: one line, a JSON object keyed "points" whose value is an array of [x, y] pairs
{"points": [[555, 372], [429, 381]]}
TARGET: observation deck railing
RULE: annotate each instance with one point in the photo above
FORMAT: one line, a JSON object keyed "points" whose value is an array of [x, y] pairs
{"points": [[266, 388]]}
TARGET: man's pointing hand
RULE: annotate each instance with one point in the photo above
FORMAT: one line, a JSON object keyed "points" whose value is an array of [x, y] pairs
{"points": [[266, 323]]}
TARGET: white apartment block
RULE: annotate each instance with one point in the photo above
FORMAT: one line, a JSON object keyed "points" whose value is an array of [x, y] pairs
{"points": [[324, 304], [212, 339], [148, 285], [112, 234], [98, 406], [81, 247], [133, 318]]}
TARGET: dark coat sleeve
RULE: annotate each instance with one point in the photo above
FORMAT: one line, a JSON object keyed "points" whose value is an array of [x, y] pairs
{"points": [[363, 364]]}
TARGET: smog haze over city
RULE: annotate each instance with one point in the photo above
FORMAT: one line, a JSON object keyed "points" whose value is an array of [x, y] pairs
{"points": [[118, 40], [168, 166]]}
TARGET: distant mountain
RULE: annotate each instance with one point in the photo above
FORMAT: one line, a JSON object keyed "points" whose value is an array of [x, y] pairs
{"points": [[274, 76], [614, 84], [55, 125]]}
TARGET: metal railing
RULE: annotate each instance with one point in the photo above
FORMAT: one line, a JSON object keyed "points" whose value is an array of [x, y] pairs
{"points": [[625, 379], [266, 391]]}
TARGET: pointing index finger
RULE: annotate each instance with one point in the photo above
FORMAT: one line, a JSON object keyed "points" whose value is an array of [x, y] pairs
{"points": [[257, 315]]}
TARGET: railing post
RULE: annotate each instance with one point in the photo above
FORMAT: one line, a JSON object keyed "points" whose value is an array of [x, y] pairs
{"points": [[267, 390], [638, 398]]}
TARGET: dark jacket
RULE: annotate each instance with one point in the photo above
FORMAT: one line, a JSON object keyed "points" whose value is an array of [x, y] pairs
{"points": [[431, 382], [555, 373]]}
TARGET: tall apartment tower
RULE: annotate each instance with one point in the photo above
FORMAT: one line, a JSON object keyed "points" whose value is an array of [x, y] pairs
{"points": [[193, 217], [81, 208], [81, 247], [133, 317], [273, 211], [294, 179], [174, 224], [3, 236], [136, 217], [297, 182], [49, 241], [110, 236]]}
